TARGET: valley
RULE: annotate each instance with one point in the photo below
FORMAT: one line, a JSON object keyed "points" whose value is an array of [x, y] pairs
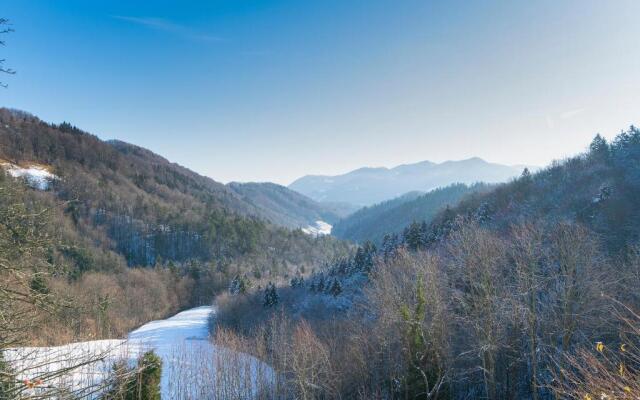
{"points": [[293, 300], [294, 200]]}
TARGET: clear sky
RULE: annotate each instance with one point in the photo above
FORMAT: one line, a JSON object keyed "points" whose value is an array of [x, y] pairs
{"points": [[272, 90]]}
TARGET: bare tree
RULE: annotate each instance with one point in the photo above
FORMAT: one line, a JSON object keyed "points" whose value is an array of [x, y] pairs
{"points": [[310, 364], [604, 370], [408, 297], [528, 254], [578, 276], [5, 28], [477, 266], [26, 300]]}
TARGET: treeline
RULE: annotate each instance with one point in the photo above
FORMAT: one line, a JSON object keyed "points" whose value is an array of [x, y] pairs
{"points": [[529, 291]]}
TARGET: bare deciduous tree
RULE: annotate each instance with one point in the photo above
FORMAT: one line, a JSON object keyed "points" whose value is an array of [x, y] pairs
{"points": [[477, 267], [4, 29]]}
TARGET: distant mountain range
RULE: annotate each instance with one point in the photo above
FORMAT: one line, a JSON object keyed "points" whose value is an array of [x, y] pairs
{"points": [[367, 186]]}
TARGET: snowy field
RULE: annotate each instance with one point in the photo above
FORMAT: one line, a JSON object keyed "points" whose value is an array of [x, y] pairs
{"points": [[193, 367]]}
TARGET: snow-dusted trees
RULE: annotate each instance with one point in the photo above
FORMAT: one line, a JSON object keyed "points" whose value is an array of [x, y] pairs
{"points": [[528, 254], [579, 278], [509, 295], [364, 258], [477, 268], [296, 282]]}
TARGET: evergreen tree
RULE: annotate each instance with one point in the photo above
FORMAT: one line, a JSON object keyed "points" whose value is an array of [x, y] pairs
{"points": [[239, 285], [363, 260], [271, 297], [320, 284], [140, 383], [336, 287], [423, 363], [412, 236], [359, 259], [39, 284], [599, 148], [389, 245], [149, 375], [297, 281]]}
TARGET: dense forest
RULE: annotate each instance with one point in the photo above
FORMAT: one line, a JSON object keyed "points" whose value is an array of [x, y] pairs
{"points": [[526, 291], [392, 216]]}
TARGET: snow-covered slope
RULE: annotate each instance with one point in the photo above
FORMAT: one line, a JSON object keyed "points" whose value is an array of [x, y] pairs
{"points": [[193, 367], [37, 176]]}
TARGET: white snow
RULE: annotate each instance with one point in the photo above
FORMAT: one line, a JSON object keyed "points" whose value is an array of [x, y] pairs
{"points": [[320, 228], [36, 176], [193, 367]]}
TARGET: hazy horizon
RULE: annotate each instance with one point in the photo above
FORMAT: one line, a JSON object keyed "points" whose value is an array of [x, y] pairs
{"points": [[272, 92]]}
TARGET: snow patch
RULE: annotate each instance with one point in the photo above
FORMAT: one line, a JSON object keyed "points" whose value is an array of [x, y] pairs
{"points": [[192, 366], [37, 176], [320, 228]]}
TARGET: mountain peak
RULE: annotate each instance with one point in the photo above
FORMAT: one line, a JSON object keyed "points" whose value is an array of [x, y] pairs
{"points": [[366, 186]]}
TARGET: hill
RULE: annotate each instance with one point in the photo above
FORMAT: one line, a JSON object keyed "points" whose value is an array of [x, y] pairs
{"points": [[392, 216], [285, 207], [367, 186], [141, 205]]}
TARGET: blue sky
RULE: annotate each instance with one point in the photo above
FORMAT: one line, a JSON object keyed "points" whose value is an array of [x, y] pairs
{"points": [[272, 90]]}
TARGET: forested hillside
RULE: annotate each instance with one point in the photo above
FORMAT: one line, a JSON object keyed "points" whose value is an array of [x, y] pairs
{"points": [[141, 205], [106, 207], [284, 206], [391, 217], [527, 291]]}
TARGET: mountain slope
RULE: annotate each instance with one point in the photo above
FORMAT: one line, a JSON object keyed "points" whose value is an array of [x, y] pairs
{"points": [[145, 208], [283, 206], [367, 186], [392, 216]]}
